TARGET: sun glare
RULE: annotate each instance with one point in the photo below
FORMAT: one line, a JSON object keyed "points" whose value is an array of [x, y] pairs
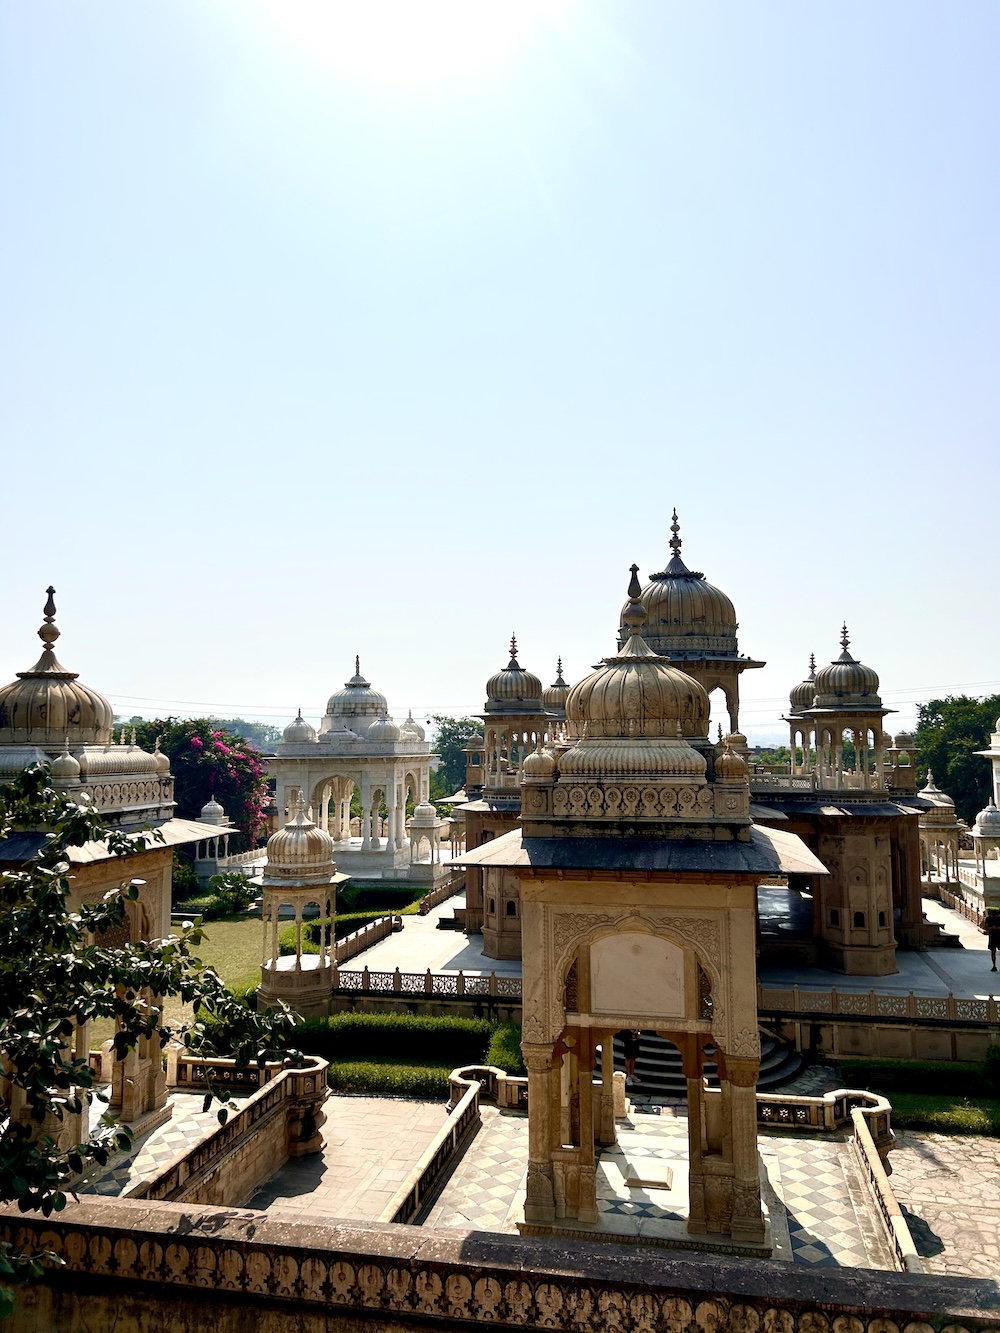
{"points": [[413, 43]]}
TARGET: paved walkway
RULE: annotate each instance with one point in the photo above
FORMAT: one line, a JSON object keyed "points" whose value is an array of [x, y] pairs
{"points": [[948, 1185], [370, 1146], [963, 972], [421, 945], [815, 1200]]}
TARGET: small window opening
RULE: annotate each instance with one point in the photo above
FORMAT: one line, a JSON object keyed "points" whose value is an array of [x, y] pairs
{"points": [[859, 920], [511, 907], [834, 916]]}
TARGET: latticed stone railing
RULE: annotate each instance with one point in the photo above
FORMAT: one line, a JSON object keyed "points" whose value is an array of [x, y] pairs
{"points": [[877, 1004], [442, 985], [454, 884], [971, 911]]}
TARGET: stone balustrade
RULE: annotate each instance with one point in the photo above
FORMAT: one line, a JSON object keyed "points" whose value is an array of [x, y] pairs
{"points": [[442, 893], [878, 1004], [441, 985], [419, 1186], [365, 937]]}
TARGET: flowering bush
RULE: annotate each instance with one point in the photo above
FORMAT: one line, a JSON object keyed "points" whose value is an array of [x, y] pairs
{"points": [[208, 761]]}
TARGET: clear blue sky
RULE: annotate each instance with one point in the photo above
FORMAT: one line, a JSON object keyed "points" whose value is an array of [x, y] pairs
{"points": [[323, 335]]}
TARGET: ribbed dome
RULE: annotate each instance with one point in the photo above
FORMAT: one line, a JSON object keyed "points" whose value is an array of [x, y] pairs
{"points": [[930, 792], [411, 730], [802, 695], [425, 815], [847, 683], [357, 698], [513, 690], [383, 729], [298, 731], [47, 704], [987, 823], [539, 766], [685, 614], [299, 853], [212, 812], [903, 740], [730, 766], [65, 768], [160, 760], [631, 714], [554, 696]]}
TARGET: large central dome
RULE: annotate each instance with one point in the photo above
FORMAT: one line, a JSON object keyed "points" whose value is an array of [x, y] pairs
{"points": [[357, 700], [686, 616]]}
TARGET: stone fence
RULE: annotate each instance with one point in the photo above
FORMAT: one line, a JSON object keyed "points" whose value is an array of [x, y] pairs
{"points": [[143, 1266], [454, 884], [875, 1175], [281, 1119], [970, 911], [362, 939], [441, 985], [463, 1120], [845, 1023]]}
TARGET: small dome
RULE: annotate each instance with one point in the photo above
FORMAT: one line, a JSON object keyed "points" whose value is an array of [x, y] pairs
{"points": [[513, 690], [632, 714], [903, 740], [160, 760], [212, 812], [357, 699], [298, 731], [48, 703], [730, 766], [411, 730], [299, 853], [65, 768], [424, 814], [847, 683], [685, 614], [802, 695], [554, 696], [383, 729], [987, 823], [539, 766], [475, 742], [930, 792]]}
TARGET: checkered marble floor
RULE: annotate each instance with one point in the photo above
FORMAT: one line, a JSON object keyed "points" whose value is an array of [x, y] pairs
{"points": [[813, 1197], [148, 1155]]}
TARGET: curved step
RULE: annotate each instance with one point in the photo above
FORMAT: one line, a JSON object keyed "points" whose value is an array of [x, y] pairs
{"points": [[659, 1072]]}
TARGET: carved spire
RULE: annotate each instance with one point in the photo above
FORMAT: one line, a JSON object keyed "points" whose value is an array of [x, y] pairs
{"points": [[845, 642], [513, 664], [675, 540], [812, 666]]}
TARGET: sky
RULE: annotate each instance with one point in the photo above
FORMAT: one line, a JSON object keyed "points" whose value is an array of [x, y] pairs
{"points": [[392, 329]]}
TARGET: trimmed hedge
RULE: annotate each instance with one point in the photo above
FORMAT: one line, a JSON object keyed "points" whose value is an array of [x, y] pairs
{"points": [[504, 1049], [411, 1038], [397, 1080], [346, 924], [359, 896], [962, 1079]]}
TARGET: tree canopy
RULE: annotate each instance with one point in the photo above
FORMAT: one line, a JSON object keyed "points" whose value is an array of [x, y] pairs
{"points": [[451, 737], [949, 732], [207, 760], [56, 975]]}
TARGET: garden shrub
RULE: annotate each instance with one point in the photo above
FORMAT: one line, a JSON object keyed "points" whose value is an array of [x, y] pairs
{"points": [[413, 1038], [382, 899], [945, 1114], [390, 1079], [962, 1079], [504, 1049]]}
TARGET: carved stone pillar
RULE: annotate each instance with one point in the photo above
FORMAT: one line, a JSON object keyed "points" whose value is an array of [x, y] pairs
{"points": [[539, 1203], [747, 1216]]}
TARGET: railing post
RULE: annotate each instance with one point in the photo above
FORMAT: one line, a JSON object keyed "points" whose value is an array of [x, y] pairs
{"points": [[493, 983], [397, 982], [872, 1002], [460, 984], [365, 979], [796, 999], [911, 1005], [429, 983], [834, 1001], [952, 1007]]}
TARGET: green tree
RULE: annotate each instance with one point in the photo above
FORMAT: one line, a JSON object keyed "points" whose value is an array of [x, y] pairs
{"points": [[949, 732], [55, 977], [208, 761], [451, 737]]}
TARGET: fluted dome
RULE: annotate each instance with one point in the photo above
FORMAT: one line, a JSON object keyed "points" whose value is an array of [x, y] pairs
{"points": [[212, 812], [847, 683], [802, 695], [931, 792], [685, 614], [903, 740], [65, 768], [411, 730], [298, 731], [383, 729], [513, 690], [632, 714], [160, 760], [357, 699], [299, 853], [730, 766], [47, 704], [554, 696], [987, 823], [424, 815], [539, 766]]}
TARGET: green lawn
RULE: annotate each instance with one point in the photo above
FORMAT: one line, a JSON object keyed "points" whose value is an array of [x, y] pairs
{"points": [[232, 946], [946, 1115]]}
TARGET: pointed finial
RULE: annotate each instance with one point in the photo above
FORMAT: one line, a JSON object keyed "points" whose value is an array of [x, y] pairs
{"points": [[66, 743], [357, 664], [513, 645], [50, 605], [634, 587], [720, 733], [300, 712], [132, 741], [845, 642], [49, 632], [634, 615], [675, 540], [559, 674], [156, 747], [812, 666]]}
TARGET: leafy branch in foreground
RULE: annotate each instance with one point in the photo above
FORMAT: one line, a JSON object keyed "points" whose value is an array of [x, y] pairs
{"points": [[56, 976]]}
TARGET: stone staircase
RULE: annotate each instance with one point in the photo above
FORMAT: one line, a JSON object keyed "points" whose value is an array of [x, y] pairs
{"points": [[659, 1074]]}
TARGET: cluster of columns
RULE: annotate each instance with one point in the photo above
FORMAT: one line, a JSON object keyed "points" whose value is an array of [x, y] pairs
{"points": [[822, 752], [507, 744], [571, 1115]]}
